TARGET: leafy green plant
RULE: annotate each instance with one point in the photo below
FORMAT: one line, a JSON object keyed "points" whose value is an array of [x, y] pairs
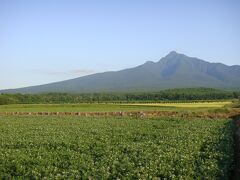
{"points": [[114, 148]]}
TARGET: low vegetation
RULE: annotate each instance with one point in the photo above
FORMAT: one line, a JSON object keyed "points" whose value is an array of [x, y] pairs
{"points": [[111, 148], [114, 107], [186, 105]]}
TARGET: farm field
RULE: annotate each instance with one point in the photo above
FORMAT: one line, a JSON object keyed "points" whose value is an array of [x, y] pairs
{"points": [[101, 107], [110, 148], [119, 90], [187, 105]]}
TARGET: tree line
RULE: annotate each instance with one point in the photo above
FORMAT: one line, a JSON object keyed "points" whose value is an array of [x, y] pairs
{"points": [[178, 95]]}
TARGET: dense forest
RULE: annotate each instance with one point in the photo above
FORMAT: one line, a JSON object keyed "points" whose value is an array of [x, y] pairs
{"points": [[181, 95]]}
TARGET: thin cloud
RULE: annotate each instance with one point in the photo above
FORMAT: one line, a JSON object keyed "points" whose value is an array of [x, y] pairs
{"points": [[57, 73], [79, 72], [82, 71]]}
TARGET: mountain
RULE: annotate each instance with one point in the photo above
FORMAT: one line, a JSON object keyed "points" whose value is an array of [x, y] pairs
{"points": [[172, 71]]}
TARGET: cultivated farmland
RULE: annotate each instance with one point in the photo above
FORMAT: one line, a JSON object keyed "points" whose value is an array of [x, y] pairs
{"points": [[107, 107], [110, 148]]}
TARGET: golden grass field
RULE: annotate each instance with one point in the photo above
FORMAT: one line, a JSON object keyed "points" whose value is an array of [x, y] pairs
{"points": [[187, 105]]}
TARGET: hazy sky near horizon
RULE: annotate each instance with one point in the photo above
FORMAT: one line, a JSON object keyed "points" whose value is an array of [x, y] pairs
{"points": [[44, 41]]}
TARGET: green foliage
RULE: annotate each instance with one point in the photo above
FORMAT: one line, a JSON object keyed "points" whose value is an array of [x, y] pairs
{"points": [[219, 110], [235, 103], [114, 148], [177, 95]]}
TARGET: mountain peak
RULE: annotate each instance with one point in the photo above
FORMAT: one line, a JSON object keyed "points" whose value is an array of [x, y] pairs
{"points": [[173, 54], [175, 70]]}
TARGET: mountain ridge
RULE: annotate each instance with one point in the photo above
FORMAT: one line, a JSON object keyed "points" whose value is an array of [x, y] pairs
{"points": [[175, 70]]}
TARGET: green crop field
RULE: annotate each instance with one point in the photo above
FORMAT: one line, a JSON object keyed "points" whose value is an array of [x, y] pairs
{"points": [[111, 148], [95, 107]]}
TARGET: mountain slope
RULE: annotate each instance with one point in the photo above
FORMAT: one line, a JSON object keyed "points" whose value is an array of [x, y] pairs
{"points": [[172, 71]]}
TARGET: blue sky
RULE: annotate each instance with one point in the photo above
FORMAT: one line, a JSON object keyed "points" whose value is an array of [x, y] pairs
{"points": [[44, 41]]}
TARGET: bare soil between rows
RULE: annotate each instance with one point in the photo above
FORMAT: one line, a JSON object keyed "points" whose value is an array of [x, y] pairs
{"points": [[148, 114]]}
